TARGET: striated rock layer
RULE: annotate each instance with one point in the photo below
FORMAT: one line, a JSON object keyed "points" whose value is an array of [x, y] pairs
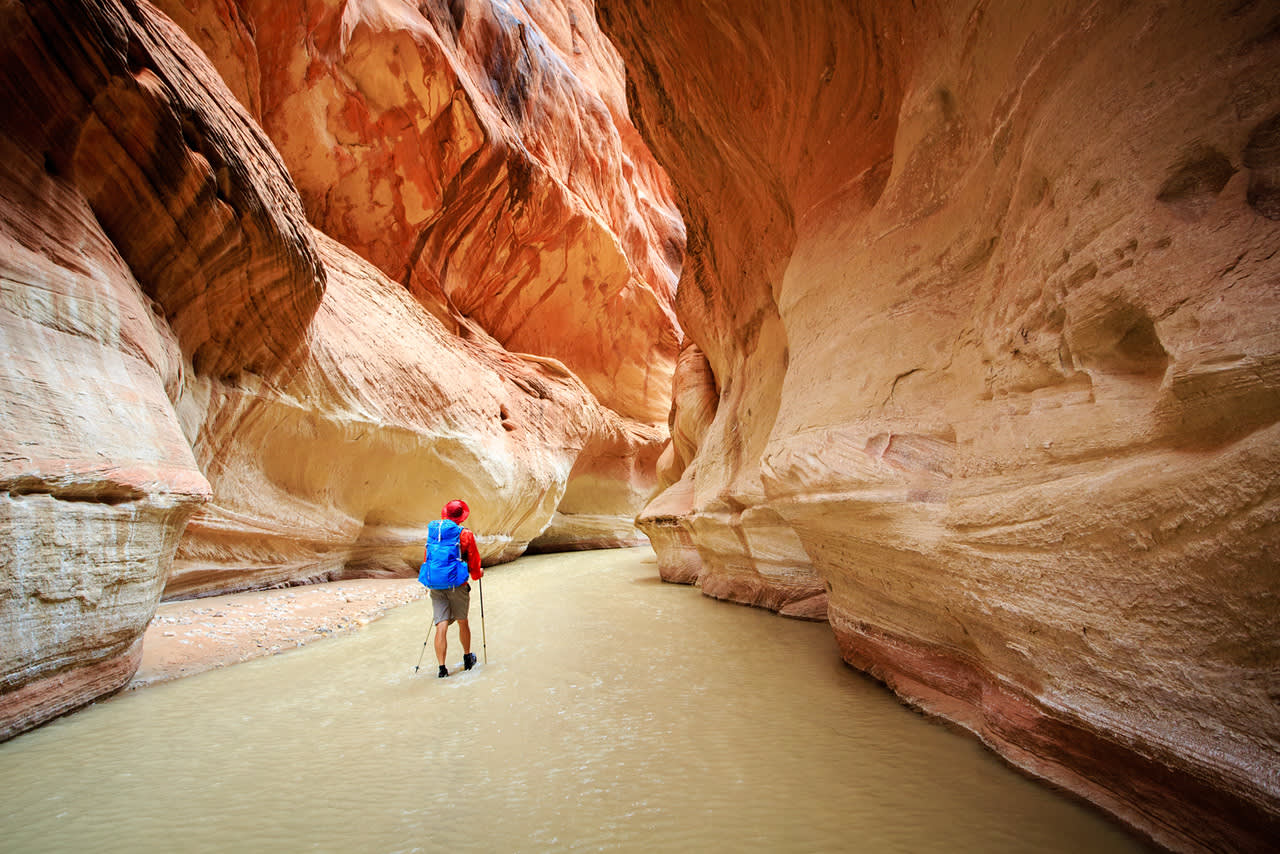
{"points": [[102, 319], [334, 471], [988, 300], [203, 391], [481, 154]]}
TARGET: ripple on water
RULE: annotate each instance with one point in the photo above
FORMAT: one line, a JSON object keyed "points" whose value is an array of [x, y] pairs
{"points": [[613, 714]]}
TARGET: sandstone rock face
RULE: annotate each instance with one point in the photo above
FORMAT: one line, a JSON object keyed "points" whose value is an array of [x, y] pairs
{"points": [[97, 474], [990, 299], [335, 472], [613, 477], [474, 152], [482, 156], [205, 392]]}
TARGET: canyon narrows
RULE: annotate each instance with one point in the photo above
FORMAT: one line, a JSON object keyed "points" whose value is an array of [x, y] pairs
{"points": [[266, 309], [982, 304], [975, 352]]}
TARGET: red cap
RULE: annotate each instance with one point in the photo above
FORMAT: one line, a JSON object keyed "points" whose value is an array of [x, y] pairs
{"points": [[456, 510]]}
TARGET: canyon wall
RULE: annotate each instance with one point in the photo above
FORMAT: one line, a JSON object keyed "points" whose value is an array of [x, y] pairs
{"points": [[481, 155], [266, 309], [983, 363]]}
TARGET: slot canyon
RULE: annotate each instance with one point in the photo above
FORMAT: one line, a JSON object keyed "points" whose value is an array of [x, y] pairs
{"points": [[955, 326]]}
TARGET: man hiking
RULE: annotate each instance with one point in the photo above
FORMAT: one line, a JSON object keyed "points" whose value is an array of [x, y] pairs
{"points": [[451, 555]]}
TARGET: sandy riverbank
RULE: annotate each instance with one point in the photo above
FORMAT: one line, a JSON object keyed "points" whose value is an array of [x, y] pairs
{"points": [[196, 635]]}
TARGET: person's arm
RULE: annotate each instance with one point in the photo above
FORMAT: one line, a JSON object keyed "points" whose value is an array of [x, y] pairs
{"points": [[471, 553]]}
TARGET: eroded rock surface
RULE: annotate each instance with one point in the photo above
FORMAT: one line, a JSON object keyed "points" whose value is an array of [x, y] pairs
{"points": [[989, 296], [481, 154], [183, 344], [335, 472], [97, 474]]}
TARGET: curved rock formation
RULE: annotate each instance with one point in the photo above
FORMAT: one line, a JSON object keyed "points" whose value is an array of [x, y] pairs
{"points": [[97, 477], [102, 317], [335, 472], [665, 519], [481, 154], [989, 296], [184, 345]]}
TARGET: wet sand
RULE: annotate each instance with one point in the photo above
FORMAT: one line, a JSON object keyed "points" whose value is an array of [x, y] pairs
{"points": [[195, 635]]}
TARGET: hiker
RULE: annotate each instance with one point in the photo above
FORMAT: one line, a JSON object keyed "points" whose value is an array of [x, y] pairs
{"points": [[451, 555]]}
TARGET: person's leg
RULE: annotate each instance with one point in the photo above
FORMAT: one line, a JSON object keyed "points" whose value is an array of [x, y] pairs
{"points": [[459, 605], [441, 616], [442, 639]]}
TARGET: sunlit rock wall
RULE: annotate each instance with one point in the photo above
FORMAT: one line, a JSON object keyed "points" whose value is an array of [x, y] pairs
{"points": [[147, 228], [481, 154], [205, 391], [97, 477], [335, 470], [990, 298]]}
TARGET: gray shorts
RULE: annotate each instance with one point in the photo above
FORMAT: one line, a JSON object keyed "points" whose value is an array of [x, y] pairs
{"points": [[451, 604]]}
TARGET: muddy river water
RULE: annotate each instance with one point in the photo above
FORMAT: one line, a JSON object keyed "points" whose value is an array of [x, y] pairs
{"points": [[615, 713]]}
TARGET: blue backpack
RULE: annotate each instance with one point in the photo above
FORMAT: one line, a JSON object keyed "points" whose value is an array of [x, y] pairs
{"points": [[444, 566]]}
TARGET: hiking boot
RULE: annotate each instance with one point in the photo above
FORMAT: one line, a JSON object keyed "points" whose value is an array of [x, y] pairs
{"points": [[444, 671], [468, 661]]}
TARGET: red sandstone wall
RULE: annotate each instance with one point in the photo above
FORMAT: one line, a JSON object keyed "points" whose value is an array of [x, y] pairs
{"points": [[239, 357], [481, 156], [989, 298]]}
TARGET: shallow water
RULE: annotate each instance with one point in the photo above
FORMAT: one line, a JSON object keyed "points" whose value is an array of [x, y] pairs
{"points": [[614, 713]]}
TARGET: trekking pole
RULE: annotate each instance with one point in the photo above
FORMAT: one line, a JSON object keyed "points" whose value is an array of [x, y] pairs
{"points": [[424, 651], [483, 643]]}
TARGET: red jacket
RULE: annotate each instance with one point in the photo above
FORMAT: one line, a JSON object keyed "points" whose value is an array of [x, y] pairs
{"points": [[471, 553]]}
